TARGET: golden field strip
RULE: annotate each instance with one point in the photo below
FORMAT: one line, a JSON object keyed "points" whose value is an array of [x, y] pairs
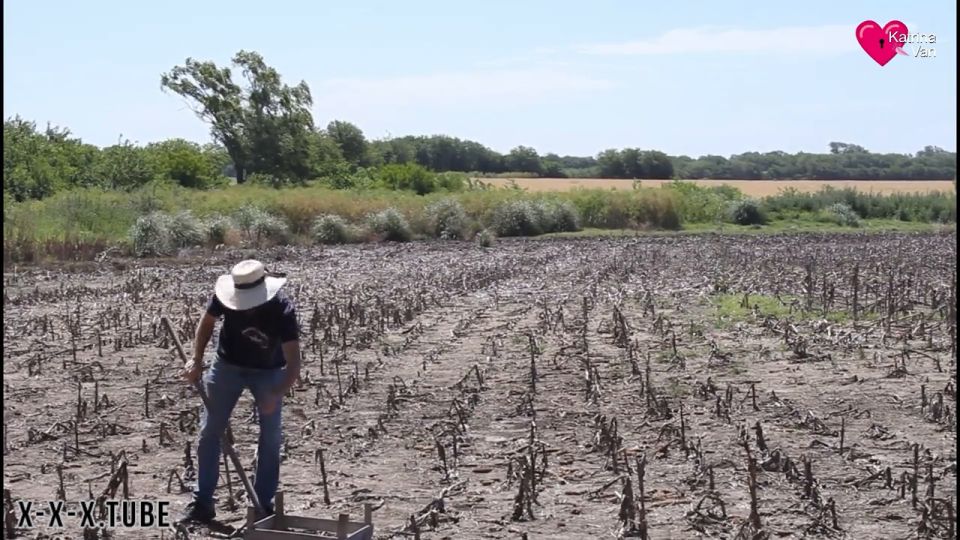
{"points": [[752, 188]]}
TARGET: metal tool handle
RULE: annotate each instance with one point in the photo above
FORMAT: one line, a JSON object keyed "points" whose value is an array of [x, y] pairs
{"points": [[227, 445]]}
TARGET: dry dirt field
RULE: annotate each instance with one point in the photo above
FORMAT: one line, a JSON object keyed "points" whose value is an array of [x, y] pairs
{"points": [[752, 188], [655, 387]]}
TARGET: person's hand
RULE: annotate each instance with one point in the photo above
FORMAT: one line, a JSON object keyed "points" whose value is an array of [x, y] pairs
{"points": [[191, 371], [270, 403]]}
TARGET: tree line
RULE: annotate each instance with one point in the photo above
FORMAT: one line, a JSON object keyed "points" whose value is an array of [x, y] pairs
{"points": [[263, 131]]}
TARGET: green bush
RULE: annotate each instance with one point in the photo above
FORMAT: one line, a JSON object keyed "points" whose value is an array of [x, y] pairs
{"points": [[159, 233], [448, 220], [644, 207], [271, 228], [330, 229], [930, 207], [534, 217], [245, 218], [258, 225], [344, 178], [216, 228], [186, 163], [698, 204], [152, 235], [746, 212], [516, 218], [186, 230], [390, 225], [593, 207], [842, 214], [486, 238], [560, 216], [452, 181], [407, 176]]}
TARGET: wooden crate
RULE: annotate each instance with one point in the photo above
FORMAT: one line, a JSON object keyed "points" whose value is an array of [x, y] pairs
{"points": [[277, 526]]}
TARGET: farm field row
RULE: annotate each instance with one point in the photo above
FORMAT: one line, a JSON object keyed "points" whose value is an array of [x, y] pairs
{"points": [[693, 386]]}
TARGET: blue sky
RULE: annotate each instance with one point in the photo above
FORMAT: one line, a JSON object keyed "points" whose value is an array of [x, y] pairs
{"points": [[685, 77]]}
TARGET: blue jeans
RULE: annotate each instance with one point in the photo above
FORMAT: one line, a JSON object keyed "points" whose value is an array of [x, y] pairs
{"points": [[224, 383]]}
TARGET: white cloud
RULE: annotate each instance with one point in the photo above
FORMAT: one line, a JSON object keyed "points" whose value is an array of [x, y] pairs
{"points": [[825, 39], [513, 86]]}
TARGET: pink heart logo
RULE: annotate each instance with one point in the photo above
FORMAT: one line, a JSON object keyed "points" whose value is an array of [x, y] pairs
{"points": [[881, 43]]}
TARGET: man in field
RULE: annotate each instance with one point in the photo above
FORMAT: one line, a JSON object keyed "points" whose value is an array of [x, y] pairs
{"points": [[258, 349]]}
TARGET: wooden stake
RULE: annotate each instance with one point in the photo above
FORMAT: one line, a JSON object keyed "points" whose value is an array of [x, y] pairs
{"points": [[761, 442], [856, 292], [415, 527], [336, 363], [916, 474], [683, 430], [323, 477], [754, 506], [61, 492], [843, 428]]}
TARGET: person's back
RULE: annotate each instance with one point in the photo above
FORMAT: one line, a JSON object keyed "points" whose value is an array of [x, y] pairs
{"points": [[251, 338]]}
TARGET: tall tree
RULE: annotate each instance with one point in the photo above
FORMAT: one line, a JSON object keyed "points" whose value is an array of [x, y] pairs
{"points": [[845, 148], [524, 159], [265, 125], [611, 166], [350, 139], [632, 160], [657, 165]]}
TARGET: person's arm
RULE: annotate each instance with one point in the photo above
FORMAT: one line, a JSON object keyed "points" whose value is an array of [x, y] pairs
{"points": [[202, 337], [194, 368], [290, 343], [291, 352]]}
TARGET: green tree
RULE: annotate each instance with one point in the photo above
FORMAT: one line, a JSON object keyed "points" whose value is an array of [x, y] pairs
{"points": [[35, 165], [265, 126], [524, 159], [656, 165], [389, 150], [185, 162], [349, 138], [326, 154], [611, 166], [553, 168], [124, 166], [632, 163], [845, 148]]}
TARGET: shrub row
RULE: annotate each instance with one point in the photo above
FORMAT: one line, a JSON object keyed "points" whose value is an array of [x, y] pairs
{"points": [[159, 233], [933, 207], [83, 221]]}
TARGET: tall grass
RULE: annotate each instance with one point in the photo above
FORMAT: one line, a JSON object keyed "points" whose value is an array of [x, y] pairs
{"points": [[933, 207], [699, 204], [81, 223]]}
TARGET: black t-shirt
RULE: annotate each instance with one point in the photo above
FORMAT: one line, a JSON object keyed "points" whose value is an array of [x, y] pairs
{"points": [[252, 338]]}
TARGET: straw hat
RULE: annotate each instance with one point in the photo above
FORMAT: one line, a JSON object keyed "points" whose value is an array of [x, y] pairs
{"points": [[248, 285]]}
